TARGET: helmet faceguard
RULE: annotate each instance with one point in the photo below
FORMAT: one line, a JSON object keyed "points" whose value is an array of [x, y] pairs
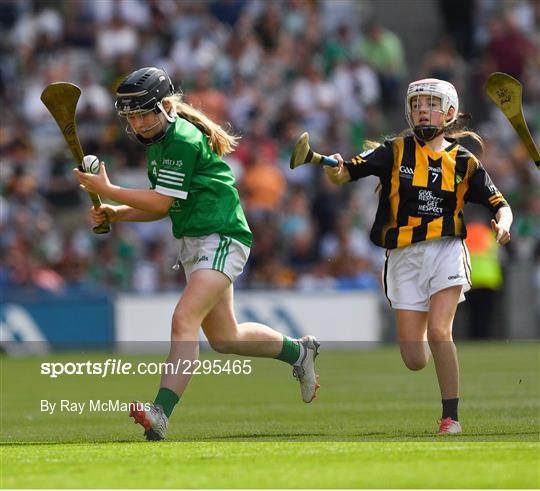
{"points": [[432, 87], [142, 92]]}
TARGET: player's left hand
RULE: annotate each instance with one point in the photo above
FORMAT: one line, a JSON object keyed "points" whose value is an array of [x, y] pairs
{"points": [[94, 183], [502, 233]]}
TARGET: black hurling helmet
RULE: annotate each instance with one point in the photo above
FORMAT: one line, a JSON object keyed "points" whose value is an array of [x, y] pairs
{"points": [[142, 92]]}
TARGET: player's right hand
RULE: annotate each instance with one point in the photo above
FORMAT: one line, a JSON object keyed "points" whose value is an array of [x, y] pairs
{"points": [[104, 212], [338, 174]]}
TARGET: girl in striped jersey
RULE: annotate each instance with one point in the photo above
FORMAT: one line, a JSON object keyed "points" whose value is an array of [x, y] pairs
{"points": [[192, 185], [426, 178]]}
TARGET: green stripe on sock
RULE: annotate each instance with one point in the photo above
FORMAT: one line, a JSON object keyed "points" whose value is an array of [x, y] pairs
{"points": [[290, 351], [167, 399]]}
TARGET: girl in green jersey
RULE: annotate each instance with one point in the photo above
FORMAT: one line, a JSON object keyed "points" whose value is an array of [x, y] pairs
{"points": [[191, 184]]}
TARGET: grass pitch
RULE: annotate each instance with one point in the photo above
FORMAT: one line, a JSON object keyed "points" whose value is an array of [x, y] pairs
{"points": [[372, 426]]}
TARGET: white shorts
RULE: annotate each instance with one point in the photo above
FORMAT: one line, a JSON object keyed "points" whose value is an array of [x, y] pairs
{"points": [[412, 274], [213, 251]]}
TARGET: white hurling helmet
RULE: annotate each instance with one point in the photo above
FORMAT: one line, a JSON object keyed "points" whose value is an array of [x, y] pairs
{"points": [[434, 88]]}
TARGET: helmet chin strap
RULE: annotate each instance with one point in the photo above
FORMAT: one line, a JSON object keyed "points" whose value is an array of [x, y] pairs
{"points": [[170, 116], [427, 133]]}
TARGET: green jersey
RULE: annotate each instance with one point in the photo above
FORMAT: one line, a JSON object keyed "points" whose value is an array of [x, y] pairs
{"points": [[183, 166]]}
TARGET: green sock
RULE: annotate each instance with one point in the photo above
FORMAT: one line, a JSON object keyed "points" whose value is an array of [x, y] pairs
{"points": [[167, 399], [290, 352]]}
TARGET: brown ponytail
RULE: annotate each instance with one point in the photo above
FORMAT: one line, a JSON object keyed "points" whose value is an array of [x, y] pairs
{"points": [[458, 130]]}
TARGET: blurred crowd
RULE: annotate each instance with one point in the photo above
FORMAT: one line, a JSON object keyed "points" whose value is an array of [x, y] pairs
{"points": [[271, 70]]}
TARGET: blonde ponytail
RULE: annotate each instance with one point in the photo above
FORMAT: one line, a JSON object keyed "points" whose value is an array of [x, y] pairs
{"points": [[219, 139]]}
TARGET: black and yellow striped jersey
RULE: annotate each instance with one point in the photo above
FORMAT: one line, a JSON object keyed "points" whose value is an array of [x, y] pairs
{"points": [[423, 192]]}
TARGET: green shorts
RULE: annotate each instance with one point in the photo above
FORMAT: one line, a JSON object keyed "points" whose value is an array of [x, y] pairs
{"points": [[213, 251]]}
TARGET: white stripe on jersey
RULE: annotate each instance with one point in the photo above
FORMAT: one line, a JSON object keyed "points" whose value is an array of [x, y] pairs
{"points": [[175, 193], [171, 172], [170, 181]]}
